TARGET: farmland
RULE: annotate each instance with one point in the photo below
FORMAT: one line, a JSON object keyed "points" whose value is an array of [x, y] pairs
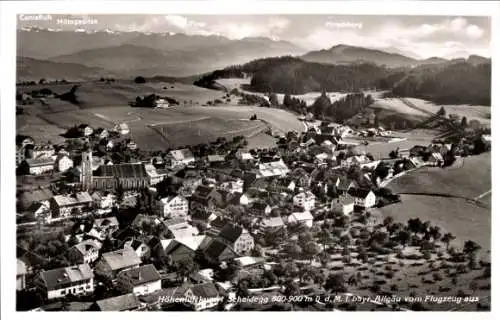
{"points": [[461, 217]]}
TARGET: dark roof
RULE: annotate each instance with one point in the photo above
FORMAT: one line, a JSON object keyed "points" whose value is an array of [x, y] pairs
{"points": [[61, 276], [230, 232], [141, 275], [119, 303], [205, 290], [202, 191], [135, 244], [260, 206], [201, 215], [215, 249], [359, 193], [123, 170], [153, 242], [219, 222], [344, 183]]}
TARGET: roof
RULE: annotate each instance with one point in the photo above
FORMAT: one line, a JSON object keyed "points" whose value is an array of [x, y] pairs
{"points": [[259, 205], [141, 275], [203, 191], [359, 193], [175, 223], [21, 267], [248, 261], [273, 222], [205, 290], [88, 245], [27, 198], [122, 170], [181, 154], [186, 232], [192, 243], [301, 216], [60, 276], [170, 198], [38, 162], [344, 183], [231, 232], [344, 200], [120, 259], [106, 222], [215, 248], [134, 243], [438, 156], [71, 200], [216, 158], [119, 303]]}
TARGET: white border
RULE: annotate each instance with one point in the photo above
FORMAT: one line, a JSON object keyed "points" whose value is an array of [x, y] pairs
{"points": [[8, 25]]}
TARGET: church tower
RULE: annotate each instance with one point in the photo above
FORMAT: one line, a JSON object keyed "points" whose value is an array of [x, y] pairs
{"points": [[86, 171]]}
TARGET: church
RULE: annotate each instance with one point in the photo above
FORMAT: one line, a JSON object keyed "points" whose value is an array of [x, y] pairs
{"points": [[107, 177]]}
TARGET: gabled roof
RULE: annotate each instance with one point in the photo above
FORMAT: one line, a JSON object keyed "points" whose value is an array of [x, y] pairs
{"points": [[301, 216], [205, 290], [134, 243], [141, 275], [215, 249], [71, 200], [119, 303], [87, 245], [39, 162], [192, 243], [181, 154], [120, 259], [61, 276], [122, 170], [344, 183], [273, 222], [344, 200], [231, 232], [106, 222], [216, 158], [203, 191], [359, 193]]}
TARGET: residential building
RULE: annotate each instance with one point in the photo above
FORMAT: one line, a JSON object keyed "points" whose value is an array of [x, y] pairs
{"points": [[273, 223], [42, 151], [436, 159], [237, 237], [126, 302], [141, 248], [214, 159], [64, 206], [105, 227], [343, 204], [305, 200], [122, 128], [304, 218], [86, 251], [101, 133], [203, 296], [232, 186], [154, 176], [344, 185], [260, 208], [63, 163], [140, 281], [173, 207], [85, 130], [205, 197], [38, 166], [272, 169], [60, 282], [20, 155], [363, 198], [111, 263], [185, 232], [41, 210], [104, 200], [217, 251], [21, 275], [243, 155], [179, 158]]}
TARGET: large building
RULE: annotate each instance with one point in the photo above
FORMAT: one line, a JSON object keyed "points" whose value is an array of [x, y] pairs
{"points": [[126, 175], [75, 280], [86, 170]]}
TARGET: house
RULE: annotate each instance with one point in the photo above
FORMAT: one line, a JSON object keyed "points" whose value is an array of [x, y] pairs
{"points": [[436, 159], [260, 208], [215, 159], [104, 200], [60, 282], [111, 263], [203, 296], [217, 251], [343, 204], [41, 210], [86, 251], [322, 158], [306, 200], [179, 158], [141, 219], [63, 163], [101, 133], [218, 223], [141, 248], [173, 207], [131, 145], [24, 141], [41, 151], [64, 206], [139, 281], [232, 186], [176, 250], [243, 155], [205, 197], [272, 169], [237, 237], [185, 232], [154, 176], [38, 166], [122, 129], [21, 275], [486, 139], [363, 198], [105, 227], [126, 302], [286, 183], [345, 185], [273, 223], [20, 155], [304, 218], [85, 130], [354, 160], [203, 217]]}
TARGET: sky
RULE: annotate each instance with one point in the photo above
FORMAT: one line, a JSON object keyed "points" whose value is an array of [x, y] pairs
{"points": [[417, 36]]}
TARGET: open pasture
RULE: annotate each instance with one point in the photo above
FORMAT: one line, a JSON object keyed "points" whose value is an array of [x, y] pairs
{"points": [[38, 129]]}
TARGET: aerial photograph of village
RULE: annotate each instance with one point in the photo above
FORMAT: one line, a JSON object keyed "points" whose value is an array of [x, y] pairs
{"points": [[253, 162]]}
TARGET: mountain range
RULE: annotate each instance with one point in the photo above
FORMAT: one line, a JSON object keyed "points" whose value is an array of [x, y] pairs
{"points": [[128, 54]]}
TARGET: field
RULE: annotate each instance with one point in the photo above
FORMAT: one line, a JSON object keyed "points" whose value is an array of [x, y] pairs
{"points": [[414, 137], [396, 105], [309, 97], [461, 217], [39, 129], [480, 113]]}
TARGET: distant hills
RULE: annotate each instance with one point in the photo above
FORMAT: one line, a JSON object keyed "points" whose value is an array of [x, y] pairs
{"points": [[33, 69], [345, 54], [135, 53]]}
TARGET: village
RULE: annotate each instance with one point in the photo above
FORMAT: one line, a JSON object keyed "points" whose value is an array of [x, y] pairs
{"points": [[104, 226]]}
